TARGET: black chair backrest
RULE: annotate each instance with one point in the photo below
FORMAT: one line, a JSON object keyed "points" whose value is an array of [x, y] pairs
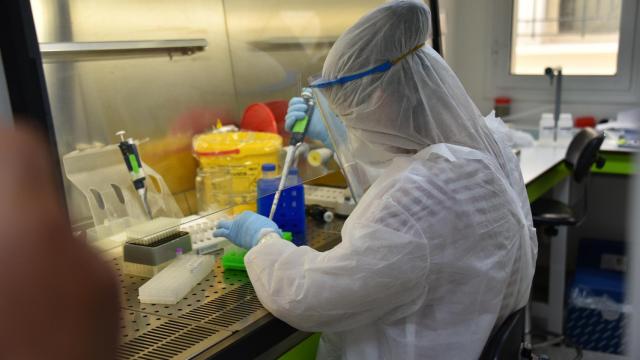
{"points": [[506, 341], [583, 152]]}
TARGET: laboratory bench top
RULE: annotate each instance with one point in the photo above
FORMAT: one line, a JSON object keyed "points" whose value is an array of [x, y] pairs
{"points": [[542, 165], [220, 318], [537, 160]]}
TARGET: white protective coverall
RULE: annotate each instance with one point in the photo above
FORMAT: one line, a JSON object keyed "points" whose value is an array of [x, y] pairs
{"points": [[441, 248]]}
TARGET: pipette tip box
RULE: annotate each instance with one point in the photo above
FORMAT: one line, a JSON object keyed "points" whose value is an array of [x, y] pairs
{"points": [[157, 252]]}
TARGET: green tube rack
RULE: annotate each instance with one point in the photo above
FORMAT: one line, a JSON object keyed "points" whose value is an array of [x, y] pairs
{"points": [[234, 259]]}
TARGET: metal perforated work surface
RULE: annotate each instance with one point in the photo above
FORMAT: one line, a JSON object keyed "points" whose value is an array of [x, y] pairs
{"points": [[214, 285], [153, 337], [222, 303]]}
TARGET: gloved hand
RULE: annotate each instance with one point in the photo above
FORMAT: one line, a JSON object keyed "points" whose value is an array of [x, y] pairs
{"points": [[246, 229], [297, 110]]}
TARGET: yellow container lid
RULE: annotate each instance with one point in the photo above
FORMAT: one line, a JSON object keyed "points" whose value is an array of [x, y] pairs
{"points": [[240, 144]]}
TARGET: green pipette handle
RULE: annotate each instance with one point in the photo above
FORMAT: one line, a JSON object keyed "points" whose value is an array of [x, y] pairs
{"points": [[300, 125], [299, 128], [298, 131]]}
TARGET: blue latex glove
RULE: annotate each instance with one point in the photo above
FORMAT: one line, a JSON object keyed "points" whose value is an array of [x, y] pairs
{"points": [[246, 229], [297, 111]]}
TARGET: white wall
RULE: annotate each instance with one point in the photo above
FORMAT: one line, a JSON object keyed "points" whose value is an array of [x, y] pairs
{"points": [[5, 105], [633, 281], [470, 31]]}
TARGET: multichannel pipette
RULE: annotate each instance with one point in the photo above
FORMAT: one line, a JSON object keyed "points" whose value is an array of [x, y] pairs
{"points": [[131, 158], [298, 132]]}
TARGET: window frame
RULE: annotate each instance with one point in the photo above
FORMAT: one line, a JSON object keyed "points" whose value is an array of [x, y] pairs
{"points": [[619, 88]]}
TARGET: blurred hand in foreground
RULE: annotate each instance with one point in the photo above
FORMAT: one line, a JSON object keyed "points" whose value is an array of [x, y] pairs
{"points": [[59, 298]]}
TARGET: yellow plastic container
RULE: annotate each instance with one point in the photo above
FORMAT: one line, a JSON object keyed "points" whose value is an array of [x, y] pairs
{"points": [[239, 156], [171, 157]]}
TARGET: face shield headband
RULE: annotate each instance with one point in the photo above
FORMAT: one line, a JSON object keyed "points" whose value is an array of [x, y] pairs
{"points": [[385, 66]]}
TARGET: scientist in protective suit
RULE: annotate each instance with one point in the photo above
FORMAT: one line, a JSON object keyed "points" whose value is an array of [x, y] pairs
{"points": [[440, 248]]}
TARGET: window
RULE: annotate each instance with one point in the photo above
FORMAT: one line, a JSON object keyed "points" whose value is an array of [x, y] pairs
{"points": [[581, 36], [594, 41]]}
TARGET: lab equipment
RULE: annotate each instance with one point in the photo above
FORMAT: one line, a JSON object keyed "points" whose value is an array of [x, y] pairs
{"points": [[297, 111], [214, 190], [585, 121], [502, 106], [172, 157], [546, 129], [202, 240], [565, 129], [551, 132], [555, 74], [320, 214], [158, 252], [233, 259], [150, 232], [142, 270], [259, 117], [246, 229], [131, 158], [407, 244], [152, 244], [298, 132], [319, 157], [110, 195], [230, 167], [290, 214], [629, 139], [624, 131], [176, 280], [268, 173], [596, 311], [339, 200]]}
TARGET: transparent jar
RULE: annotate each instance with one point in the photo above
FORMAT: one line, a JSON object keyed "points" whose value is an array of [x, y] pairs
{"points": [[213, 189], [216, 190]]}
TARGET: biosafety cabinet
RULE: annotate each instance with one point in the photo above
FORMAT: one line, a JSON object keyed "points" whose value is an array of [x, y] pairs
{"points": [[141, 101]]}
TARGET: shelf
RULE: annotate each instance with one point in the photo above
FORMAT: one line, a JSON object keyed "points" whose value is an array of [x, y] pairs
{"points": [[186, 46]]}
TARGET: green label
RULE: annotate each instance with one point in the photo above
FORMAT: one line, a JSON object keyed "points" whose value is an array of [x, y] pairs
{"points": [[135, 167], [299, 126]]}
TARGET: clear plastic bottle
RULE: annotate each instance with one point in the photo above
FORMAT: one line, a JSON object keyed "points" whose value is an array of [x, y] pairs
{"points": [[565, 129], [546, 129]]}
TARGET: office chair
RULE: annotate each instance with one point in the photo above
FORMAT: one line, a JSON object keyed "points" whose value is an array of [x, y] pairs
{"points": [[548, 214], [581, 155], [506, 342]]}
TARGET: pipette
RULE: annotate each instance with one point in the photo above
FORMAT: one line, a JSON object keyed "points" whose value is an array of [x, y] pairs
{"points": [[131, 158], [298, 132]]}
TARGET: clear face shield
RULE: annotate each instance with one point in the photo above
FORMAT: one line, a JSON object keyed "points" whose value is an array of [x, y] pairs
{"points": [[361, 163], [359, 179]]}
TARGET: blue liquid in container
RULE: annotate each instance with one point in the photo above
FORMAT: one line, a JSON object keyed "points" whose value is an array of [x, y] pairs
{"points": [[290, 214]]}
